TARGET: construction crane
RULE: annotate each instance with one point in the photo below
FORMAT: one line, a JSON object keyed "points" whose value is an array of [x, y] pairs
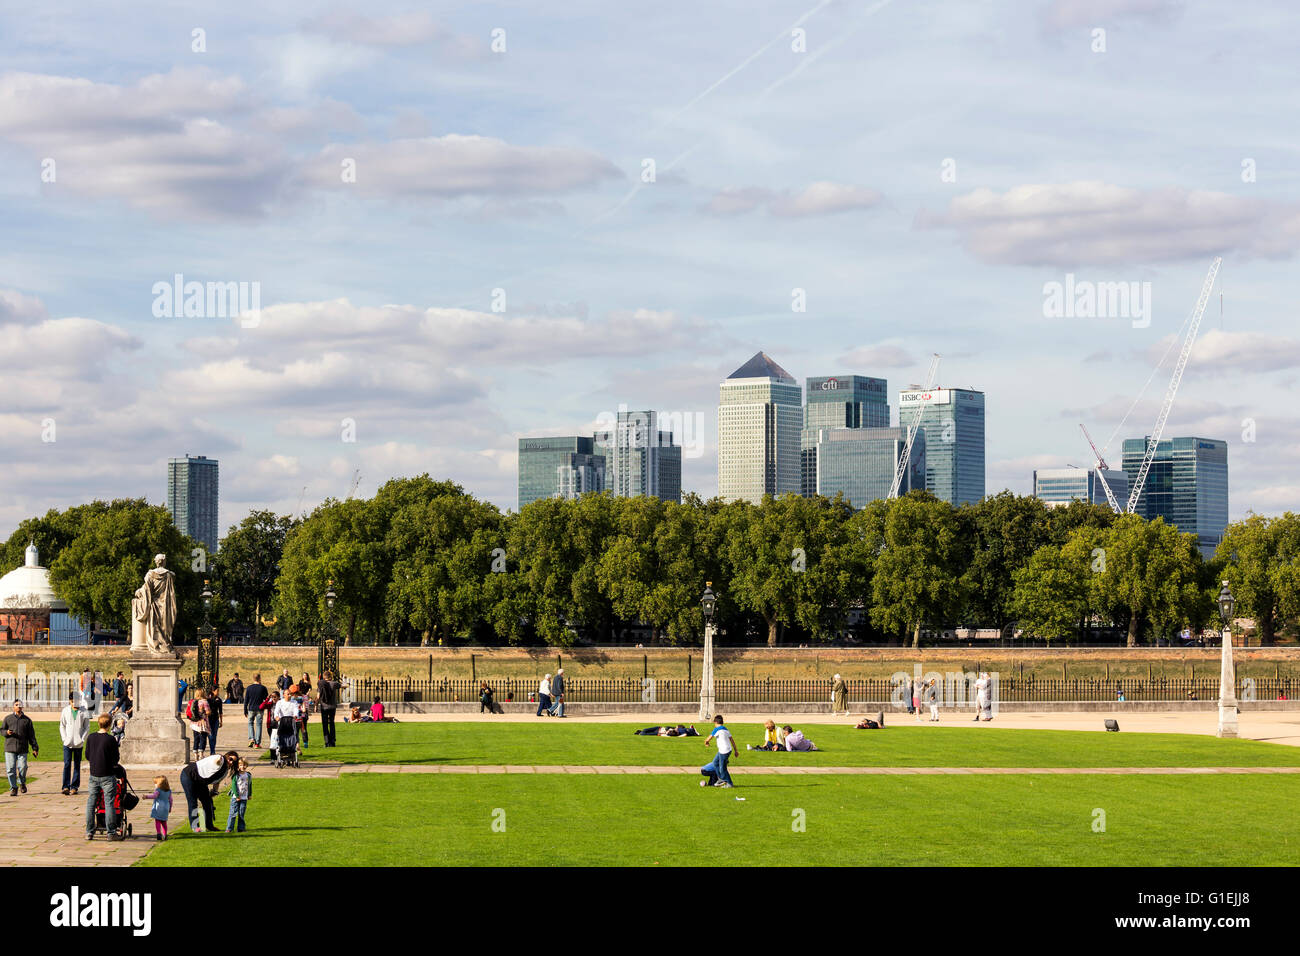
{"points": [[906, 457], [1102, 468], [1194, 325], [356, 480]]}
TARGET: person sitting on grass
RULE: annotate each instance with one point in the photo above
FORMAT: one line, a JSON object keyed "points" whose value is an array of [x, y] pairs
{"points": [[773, 737], [796, 741], [377, 711]]}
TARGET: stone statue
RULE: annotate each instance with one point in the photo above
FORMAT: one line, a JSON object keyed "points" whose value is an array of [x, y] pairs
{"points": [[153, 609]]}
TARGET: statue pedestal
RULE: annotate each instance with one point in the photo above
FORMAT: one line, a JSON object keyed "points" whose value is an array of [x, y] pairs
{"points": [[156, 736]]}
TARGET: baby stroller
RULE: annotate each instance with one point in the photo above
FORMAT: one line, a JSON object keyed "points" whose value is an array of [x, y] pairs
{"points": [[124, 801], [285, 752]]}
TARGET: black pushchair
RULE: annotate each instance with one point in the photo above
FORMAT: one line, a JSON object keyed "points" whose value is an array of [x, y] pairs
{"points": [[285, 752], [124, 801]]}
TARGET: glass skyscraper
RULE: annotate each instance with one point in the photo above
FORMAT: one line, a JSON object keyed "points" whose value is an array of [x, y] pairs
{"points": [[837, 401], [760, 415], [193, 496], [559, 468], [1060, 486], [639, 458], [1187, 485], [953, 419], [860, 463]]}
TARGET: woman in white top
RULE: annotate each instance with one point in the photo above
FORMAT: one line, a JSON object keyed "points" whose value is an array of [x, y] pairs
{"points": [[544, 696]]}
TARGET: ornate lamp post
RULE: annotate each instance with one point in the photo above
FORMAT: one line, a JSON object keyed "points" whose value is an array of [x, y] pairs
{"points": [[708, 705], [209, 649], [1227, 673], [327, 657]]}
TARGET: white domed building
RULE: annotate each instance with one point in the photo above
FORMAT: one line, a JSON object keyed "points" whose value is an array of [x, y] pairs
{"points": [[27, 602]]}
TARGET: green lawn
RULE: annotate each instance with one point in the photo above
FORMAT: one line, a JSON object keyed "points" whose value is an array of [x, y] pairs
{"points": [[644, 820], [550, 742]]}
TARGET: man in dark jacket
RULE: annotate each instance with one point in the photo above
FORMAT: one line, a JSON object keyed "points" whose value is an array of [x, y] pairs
{"points": [[102, 755], [254, 695], [235, 691], [327, 701], [557, 693], [19, 736]]}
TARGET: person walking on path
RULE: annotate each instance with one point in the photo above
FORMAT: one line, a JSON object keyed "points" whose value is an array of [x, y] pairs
{"points": [[715, 772], [182, 686], [839, 696], [557, 693], [983, 699], [486, 700], [20, 736], [283, 682], [214, 718], [241, 791], [254, 697], [74, 725], [162, 806], [932, 697], [305, 706], [119, 693], [89, 691], [327, 699], [102, 755], [918, 688], [196, 712], [234, 690], [544, 695], [201, 780]]}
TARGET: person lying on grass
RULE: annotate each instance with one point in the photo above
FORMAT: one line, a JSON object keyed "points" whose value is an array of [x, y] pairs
{"points": [[773, 737], [866, 723], [681, 730], [796, 741]]}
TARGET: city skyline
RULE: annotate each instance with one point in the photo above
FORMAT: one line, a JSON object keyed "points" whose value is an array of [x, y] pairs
{"points": [[518, 245]]}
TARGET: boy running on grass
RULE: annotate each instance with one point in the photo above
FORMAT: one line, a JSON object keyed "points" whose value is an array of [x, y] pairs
{"points": [[715, 773]]}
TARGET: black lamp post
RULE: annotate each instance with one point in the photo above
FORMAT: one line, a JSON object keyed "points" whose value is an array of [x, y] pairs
{"points": [[327, 657], [209, 651], [1226, 604]]}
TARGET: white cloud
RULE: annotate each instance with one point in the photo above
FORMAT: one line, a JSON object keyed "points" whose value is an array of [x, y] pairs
{"points": [[817, 199], [446, 167], [1238, 352], [1096, 223], [824, 199], [163, 144], [414, 28]]}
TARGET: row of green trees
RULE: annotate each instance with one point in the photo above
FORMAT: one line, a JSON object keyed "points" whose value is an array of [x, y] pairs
{"points": [[423, 560]]}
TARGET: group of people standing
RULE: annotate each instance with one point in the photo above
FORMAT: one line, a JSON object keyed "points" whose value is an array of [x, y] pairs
{"points": [[264, 708]]}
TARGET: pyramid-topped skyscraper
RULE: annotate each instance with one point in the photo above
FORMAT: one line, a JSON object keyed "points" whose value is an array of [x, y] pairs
{"points": [[760, 414]]}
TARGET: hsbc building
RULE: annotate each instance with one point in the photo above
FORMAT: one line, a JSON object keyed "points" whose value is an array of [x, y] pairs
{"points": [[953, 420]]}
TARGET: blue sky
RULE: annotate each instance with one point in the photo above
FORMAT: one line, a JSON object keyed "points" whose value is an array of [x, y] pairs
{"points": [[782, 162]]}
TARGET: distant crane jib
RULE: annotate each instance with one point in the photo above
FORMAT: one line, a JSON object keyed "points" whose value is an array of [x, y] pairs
{"points": [[905, 458], [1154, 440]]}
